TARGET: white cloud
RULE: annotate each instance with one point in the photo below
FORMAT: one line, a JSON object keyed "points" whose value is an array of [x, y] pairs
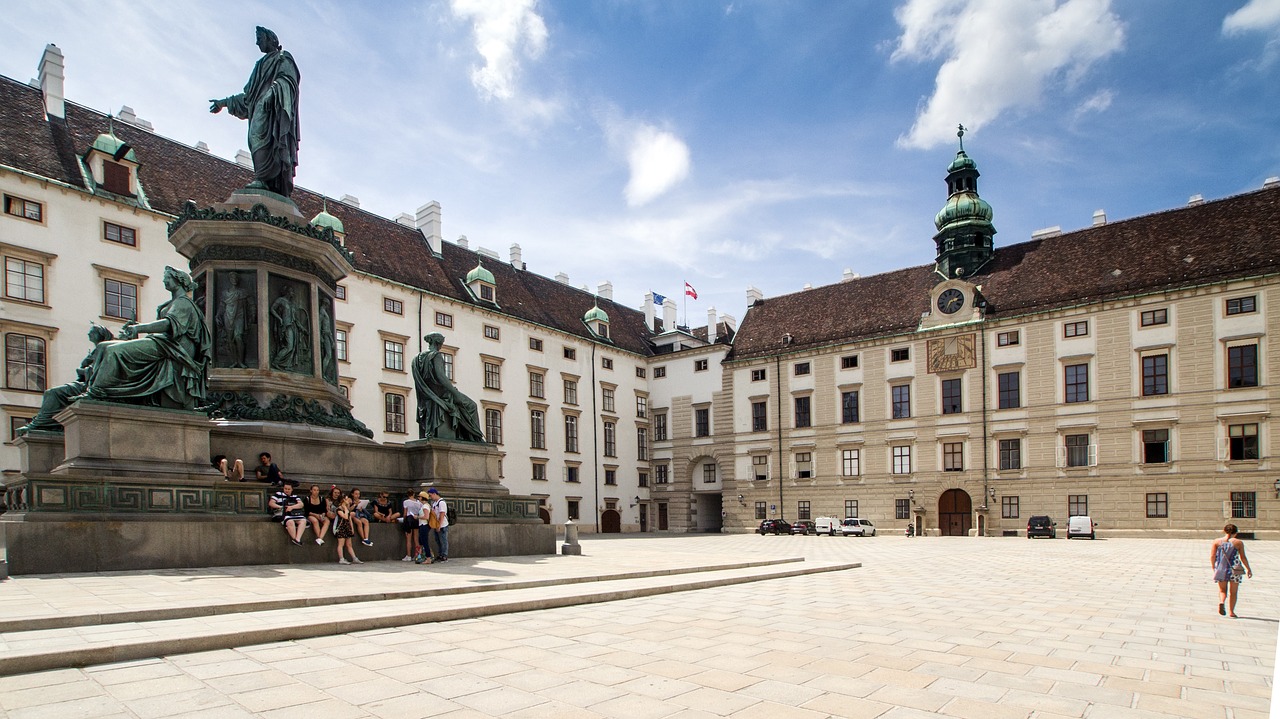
{"points": [[658, 161], [503, 29], [999, 54], [1098, 103], [1256, 15]]}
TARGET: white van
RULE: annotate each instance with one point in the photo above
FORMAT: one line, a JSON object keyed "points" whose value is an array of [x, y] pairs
{"points": [[826, 525], [853, 526], [1080, 526]]}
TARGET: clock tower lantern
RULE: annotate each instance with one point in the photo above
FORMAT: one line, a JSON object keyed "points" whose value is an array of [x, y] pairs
{"points": [[965, 231]]}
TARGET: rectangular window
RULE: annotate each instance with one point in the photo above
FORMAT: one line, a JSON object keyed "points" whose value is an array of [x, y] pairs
{"points": [[759, 416], [112, 232], [570, 353], [393, 355], [606, 363], [571, 391], [802, 412], [801, 368], [539, 472], [572, 505], [1076, 329], [23, 280], [486, 293], [448, 365], [493, 425], [1155, 446], [492, 375], [1008, 339], [537, 429], [1010, 389], [804, 465], [1010, 454], [902, 354], [661, 474], [395, 307], [1077, 505], [953, 457], [606, 399], [1242, 366], [951, 396], [1244, 505], [1157, 505], [491, 332], [699, 365], [850, 463], [642, 444], [642, 479], [340, 344], [1242, 440], [849, 362], [641, 372], [1155, 375], [642, 406], [760, 467], [120, 300], [758, 375], [24, 362], [1242, 305], [340, 292], [395, 412], [1009, 508], [902, 509], [902, 459], [702, 422], [660, 427], [535, 344], [444, 319], [115, 178], [537, 386], [849, 407], [1077, 450], [901, 401], [611, 476], [27, 209], [1077, 382], [610, 439], [850, 507], [709, 473], [1151, 318], [570, 433], [659, 372], [761, 509], [802, 509]]}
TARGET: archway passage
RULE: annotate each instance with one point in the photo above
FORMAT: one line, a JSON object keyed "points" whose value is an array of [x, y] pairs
{"points": [[610, 521], [955, 513]]}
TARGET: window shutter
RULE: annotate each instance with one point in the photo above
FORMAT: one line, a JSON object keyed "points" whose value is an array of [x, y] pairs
{"points": [[1224, 449], [1093, 455], [1062, 457]]}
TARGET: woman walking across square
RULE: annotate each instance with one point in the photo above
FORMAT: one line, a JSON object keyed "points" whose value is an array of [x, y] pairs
{"points": [[1230, 565]]}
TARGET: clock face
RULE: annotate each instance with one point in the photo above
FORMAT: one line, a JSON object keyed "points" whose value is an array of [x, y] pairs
{"points": [[951, 301]]}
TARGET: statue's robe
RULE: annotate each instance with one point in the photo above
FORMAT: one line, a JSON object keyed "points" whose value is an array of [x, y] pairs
{"points": [[270, 104]]}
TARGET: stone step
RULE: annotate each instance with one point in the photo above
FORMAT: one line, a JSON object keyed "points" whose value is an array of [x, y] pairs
{"points": [[77, 646]]}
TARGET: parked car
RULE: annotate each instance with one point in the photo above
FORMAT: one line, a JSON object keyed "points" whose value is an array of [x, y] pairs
{"points": [[804, 526], [854, 526], [774, 526], [1080, 526], [1042, 526], [827, 525]]}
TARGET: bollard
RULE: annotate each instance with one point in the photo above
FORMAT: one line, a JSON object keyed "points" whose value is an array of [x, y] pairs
{"points": [[571, 545]]}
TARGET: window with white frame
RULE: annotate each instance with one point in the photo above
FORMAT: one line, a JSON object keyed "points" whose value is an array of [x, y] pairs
{"points": [[539, 471], [758, 375], [610, 439], [537, 429], [492, 375], [607, 399], [804, 465], [570, 433], [1244, 505], [661, 474], [493, 425], [395, 412], [1078, 451], [23, 280], [340, 345], [393, 355], [642, 443], [571, 391], [537, 386], [901, 459], [660, 426], [642, 406], [850, 462], [760, 466]]}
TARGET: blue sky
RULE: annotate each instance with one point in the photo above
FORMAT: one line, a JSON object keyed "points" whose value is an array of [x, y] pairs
{"points": [[727, 143]]}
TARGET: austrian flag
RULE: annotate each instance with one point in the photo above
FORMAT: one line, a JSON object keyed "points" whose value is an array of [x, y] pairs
{"points": [[688, 290]]}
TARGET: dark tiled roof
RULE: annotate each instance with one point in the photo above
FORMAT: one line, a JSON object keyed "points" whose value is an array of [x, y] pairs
{"points": [[1217, 241], [172, 173]]}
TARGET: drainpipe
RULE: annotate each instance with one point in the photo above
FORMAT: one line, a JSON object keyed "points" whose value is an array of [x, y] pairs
{"points": [[595, 447], [777, 372], [986, 442]]}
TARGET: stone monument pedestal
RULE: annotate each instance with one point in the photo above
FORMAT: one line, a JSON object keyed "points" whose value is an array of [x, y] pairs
{"points": [[124, 441]]}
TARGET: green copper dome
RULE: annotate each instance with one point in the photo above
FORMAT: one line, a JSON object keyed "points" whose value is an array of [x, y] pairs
{"points": [[110, 144], [324, 219], [963, 207], [480, 273], [595, 313], [962, 162]]}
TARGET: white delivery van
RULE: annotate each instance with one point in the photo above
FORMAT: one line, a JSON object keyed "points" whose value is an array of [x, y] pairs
{"points": [[826, 525], [1080, 526]]}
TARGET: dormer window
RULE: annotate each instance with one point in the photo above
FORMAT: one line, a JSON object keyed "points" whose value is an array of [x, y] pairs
{"points": [[597, 321], [486, 292], [482, 284], [115, 178], [113, 166]]}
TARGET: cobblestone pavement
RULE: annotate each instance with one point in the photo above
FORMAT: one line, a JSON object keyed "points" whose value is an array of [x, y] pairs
{"points": [[928, 627]]}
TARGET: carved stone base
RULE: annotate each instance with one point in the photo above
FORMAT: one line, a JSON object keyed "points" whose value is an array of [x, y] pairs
{"points": [[119, 440], [455, 468]]}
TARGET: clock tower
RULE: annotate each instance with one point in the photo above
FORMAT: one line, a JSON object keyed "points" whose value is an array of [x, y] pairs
{"points": [[965, 231]]}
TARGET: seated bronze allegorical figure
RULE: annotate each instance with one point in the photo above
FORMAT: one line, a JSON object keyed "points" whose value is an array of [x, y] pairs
{"points": [[56, 399], [443, 411]]}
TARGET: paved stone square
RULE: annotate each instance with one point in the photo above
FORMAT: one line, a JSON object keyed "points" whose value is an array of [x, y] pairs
{"points": [[927, 627]]}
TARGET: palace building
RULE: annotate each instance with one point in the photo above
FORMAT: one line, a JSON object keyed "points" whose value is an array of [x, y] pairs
{"points": [[1124, 371]]}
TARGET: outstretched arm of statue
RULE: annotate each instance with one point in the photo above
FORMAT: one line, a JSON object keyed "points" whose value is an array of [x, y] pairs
{"points": [[215, 106], [129, 332]]}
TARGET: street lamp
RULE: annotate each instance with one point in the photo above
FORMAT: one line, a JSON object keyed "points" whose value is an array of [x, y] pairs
{"points": [[742, 500]]}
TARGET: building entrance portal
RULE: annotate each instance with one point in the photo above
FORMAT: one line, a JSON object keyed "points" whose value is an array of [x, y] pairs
{"points": [[610, 521], [955, 513]]}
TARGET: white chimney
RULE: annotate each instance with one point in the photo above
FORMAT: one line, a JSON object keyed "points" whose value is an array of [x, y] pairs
{"points": [[648, 310], [754, 295], [52, 82], [1099, 218], [404, 218], [730, 322], [127, 114], [562, 278], [1271, 182], [848, 275], [669, 314], [427, 220], [808, 286], [485, 251], [202, 146], [463, 242], [350, 200], [1047, 232], [516, 257], [711, 325], [605, 290], [1195, 200], [244, 159]]}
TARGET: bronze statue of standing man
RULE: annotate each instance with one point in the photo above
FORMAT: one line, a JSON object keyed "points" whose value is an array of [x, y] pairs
{"points": [[270, 104]]}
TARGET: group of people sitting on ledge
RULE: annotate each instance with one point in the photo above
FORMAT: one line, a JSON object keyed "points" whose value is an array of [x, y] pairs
{"points": [[420, 516], [266, 471]]}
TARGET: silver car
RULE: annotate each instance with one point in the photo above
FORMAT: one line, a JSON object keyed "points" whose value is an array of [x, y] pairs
{"points": [[853, 526]]}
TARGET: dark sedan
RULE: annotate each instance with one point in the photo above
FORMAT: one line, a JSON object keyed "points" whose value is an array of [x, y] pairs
{"points": [[774, 526], [805, 527]]}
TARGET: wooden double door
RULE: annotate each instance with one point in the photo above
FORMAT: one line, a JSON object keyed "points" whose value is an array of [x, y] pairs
{"points": [[955, 513]]}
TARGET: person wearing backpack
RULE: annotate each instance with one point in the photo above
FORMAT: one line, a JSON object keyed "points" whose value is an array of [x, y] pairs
{"points": [[438, 521]]}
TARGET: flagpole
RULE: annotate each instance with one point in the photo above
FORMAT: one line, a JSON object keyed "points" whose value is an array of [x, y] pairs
{"points": [[686, 303]]}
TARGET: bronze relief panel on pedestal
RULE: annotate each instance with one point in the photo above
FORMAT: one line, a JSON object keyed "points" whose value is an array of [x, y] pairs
{"points": [[235, 323], [290, 324]]}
